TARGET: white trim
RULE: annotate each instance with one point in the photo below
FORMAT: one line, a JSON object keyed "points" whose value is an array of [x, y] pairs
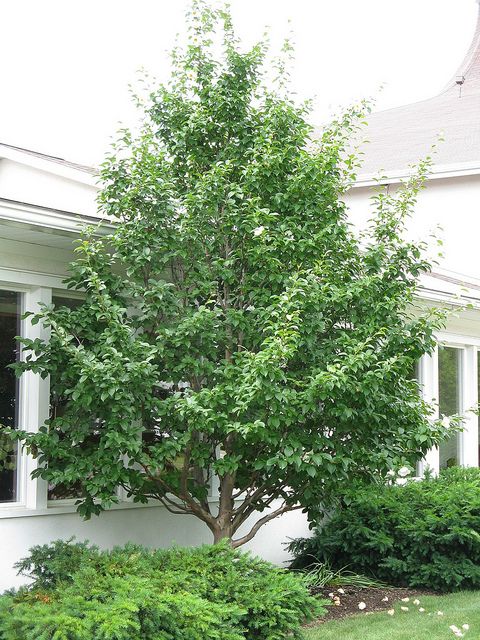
{"points": [[35, 399], [22, 280], [468, 439], [14, 511], [48, 166], [437, 172], [49, 219], [457, 340], [428, 379]]}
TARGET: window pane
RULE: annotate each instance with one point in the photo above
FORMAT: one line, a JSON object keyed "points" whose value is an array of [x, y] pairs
{"points": [[57, 409], [449, 399], [63, 301], [9, 328]]}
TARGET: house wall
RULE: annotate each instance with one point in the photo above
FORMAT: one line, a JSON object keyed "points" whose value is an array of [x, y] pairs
{"points": [[35, 249], [36, 269], [66, 190], [447, 211], [150, 526], [448, 208]]}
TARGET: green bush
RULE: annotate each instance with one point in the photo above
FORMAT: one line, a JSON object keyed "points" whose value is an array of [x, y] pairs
{"points": [[424, 534], [131, 593]]}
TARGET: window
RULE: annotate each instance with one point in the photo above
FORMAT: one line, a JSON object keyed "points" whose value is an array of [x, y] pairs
{"points": [[449, 383], [57, 409], [9, 328]]}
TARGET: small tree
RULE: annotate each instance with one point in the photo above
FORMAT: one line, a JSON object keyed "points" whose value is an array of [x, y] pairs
{"points": [[234, 329]]}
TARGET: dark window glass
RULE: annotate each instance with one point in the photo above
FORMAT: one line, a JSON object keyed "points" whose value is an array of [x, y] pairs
{"points": [[70, 303], [9, 328], [449, 360], [57, 409]]}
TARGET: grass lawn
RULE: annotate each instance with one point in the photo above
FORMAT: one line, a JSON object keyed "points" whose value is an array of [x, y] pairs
{"points": [[458, 609]]}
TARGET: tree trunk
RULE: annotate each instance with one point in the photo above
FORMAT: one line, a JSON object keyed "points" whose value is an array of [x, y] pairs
{"points": [[222, 534]]}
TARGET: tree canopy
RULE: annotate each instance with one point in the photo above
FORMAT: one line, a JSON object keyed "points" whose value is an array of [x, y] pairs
{"points": [[236, 335]]}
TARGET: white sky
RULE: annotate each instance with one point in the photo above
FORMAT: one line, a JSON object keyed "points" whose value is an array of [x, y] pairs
{"points": [[66, 64]]}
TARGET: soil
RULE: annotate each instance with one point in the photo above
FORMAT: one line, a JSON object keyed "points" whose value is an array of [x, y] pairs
{"points": [[373, 597]]}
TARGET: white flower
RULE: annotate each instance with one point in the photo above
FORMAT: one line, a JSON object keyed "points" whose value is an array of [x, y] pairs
{"points": [[416, 602], [258, 231], [341, 591], [465, 627], [362, 606], [439, 613], [446, 422], [422, 610], [402, 481], [391, 473], [385, 599], [404, 608], [406, 600], [403, 472], [391, 612]]}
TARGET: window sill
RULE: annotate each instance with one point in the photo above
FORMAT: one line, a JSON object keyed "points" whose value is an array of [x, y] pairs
{"points": [[20, 511]]}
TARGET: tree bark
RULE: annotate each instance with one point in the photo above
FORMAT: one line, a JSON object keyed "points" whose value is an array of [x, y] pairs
{"points": [[222, 534]]}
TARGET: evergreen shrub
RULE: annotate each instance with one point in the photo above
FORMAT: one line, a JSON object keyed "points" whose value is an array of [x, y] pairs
{"points": [[425, 534], [132, 593]]}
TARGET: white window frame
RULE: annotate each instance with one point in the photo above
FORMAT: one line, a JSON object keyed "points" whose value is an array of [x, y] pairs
{"points": [[32, 411], [34, 400], [469, 347]]}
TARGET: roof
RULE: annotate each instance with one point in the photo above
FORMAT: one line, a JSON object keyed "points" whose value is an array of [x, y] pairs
{"points": [[44, 156], [402, 136]]}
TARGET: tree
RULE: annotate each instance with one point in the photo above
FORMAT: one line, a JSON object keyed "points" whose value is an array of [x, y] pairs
{"points": [[234, 328]]}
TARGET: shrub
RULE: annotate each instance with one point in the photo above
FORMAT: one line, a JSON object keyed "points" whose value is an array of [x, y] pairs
{"points": [[131, 593], [49, 564], [424, 534]]}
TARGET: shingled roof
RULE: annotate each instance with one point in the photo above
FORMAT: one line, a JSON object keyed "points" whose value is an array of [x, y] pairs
{"points": [[401, 136]]}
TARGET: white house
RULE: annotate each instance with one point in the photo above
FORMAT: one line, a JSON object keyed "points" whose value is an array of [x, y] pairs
{"points": [[44, 201], [397, 138]]}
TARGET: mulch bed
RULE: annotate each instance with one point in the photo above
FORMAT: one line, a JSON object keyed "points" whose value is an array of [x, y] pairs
{"points": [[373, 597]]}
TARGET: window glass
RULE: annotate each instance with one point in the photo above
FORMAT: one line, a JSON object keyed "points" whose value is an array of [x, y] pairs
{"points": [[9, 328], [449, 360], [57, 409]]}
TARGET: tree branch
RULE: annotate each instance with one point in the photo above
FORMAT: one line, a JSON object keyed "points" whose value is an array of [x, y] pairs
{"points": [[274, 514]]}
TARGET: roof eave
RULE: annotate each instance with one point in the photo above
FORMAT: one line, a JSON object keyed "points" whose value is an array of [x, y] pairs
{"points": [[437, 172], [70, 173]]}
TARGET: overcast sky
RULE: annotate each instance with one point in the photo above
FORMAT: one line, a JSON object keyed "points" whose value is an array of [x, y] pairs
{"points": [[66, 64]]}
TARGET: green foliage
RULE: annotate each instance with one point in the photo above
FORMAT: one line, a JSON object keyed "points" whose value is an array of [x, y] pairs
{"points": [[424, 534], [321, 574], [234, 326], [49, 564], [132, 593]]}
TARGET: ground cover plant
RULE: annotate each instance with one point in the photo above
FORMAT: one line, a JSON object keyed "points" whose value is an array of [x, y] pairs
{"points": [[131, 593], [235, 332], [434, 617], [424, 534]]}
